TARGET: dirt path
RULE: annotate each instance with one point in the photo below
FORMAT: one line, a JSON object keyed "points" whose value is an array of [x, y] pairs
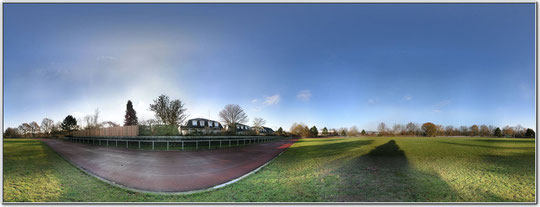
{"points": [[168, 171]]}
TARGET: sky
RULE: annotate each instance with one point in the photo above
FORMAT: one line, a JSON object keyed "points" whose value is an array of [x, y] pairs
{"points": [[328, 65]]}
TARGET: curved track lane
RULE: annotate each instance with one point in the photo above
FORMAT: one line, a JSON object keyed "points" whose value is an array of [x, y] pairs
{"points": [[168, 171]]}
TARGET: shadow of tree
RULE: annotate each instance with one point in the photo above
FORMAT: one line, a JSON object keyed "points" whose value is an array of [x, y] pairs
{"points": [[384, 175]]}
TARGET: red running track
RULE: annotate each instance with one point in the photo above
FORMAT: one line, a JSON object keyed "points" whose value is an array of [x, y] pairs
{"points": [[168, 171]]}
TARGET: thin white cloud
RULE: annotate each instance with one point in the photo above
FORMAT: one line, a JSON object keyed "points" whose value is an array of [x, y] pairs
{"points": [[271, 100], [254, 100], [304, 95], [407, 98]]}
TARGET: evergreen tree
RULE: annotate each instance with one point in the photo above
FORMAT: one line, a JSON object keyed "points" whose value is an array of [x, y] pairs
{"points": [[279, 131], [343, 133], [69, 123], [325, 131], [530, 133], [314, 132], [363, 132], [131, 115], [497, 132]]}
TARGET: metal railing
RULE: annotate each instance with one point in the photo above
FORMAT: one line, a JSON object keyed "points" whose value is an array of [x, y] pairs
{"points": [[186, 144]]}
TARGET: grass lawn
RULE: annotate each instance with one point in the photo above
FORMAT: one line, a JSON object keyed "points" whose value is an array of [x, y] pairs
{"points": [[312, 170]]}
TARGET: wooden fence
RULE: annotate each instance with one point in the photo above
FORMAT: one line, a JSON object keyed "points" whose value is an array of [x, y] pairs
{"points": [[109, 132]]}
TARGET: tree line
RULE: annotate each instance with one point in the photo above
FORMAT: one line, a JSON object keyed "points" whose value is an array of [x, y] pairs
{"points": [[167, 112], [427, 129]]}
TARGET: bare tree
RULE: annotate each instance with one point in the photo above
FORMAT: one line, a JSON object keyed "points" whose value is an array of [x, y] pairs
{"points": [[109, 124], [353, 131], [475, 130], [412, 128], [34, 127], [449, 130], [233, 114], [464, 130], [397, 129], [25, 128], [169, 112], [47, 125], [258, 124], [484, 130], [382, 128], [519, 130]]}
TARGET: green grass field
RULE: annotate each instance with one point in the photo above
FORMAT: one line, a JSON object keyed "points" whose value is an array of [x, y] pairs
{"points": [[313, 170]]}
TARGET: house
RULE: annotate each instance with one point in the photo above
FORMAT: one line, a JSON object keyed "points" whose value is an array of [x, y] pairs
{"points": [[201, 126], [265, 131], [240, 128]]}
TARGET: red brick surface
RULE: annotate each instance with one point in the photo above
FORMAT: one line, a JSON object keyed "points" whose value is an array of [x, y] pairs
{"points": [[168, 171]]}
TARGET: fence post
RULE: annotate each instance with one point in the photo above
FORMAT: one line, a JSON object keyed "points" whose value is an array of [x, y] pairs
{"points": [[107, 143], [127, 144], [182, 145], [196, 144], [139, 144], [229, 143], [209, 144], [237, 142], [219, 143], [152, 145], [167, 145]]}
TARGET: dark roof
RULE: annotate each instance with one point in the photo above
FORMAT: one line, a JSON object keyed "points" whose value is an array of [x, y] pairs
{"points": [[206, 123]]}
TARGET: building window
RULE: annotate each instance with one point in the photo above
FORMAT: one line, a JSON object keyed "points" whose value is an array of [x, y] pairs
{"points": [[194, 123], [202, 123]]}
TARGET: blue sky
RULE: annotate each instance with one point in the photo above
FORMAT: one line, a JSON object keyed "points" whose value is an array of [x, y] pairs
{"points": [[333, 65]]}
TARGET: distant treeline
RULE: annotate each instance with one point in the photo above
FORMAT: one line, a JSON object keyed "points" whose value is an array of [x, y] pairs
{"points": [[427, 129]]}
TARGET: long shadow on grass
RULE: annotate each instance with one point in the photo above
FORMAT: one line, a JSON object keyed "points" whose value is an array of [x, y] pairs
{"points": [[316, 149], [384, 175]]}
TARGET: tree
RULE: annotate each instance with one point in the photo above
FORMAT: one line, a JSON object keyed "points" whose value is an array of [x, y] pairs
{"points": [[449, 130], [363, 132], [169, 112], [397, 129], [382, 128], [306, 132], [474, 130], [464, 131], [519, 131], [324, 132], [279, 132], [34, 127], [412, 128], [529, 133], [343, 132], [297, 129], [233, 114], [131, 115], [314, 132], [353, 131], [25, 128], [110, 124], [69, 124], [508, 131], [47, 125], [11, 132], [484, 131], [429, 129], [497, 132], [258, 124]]}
